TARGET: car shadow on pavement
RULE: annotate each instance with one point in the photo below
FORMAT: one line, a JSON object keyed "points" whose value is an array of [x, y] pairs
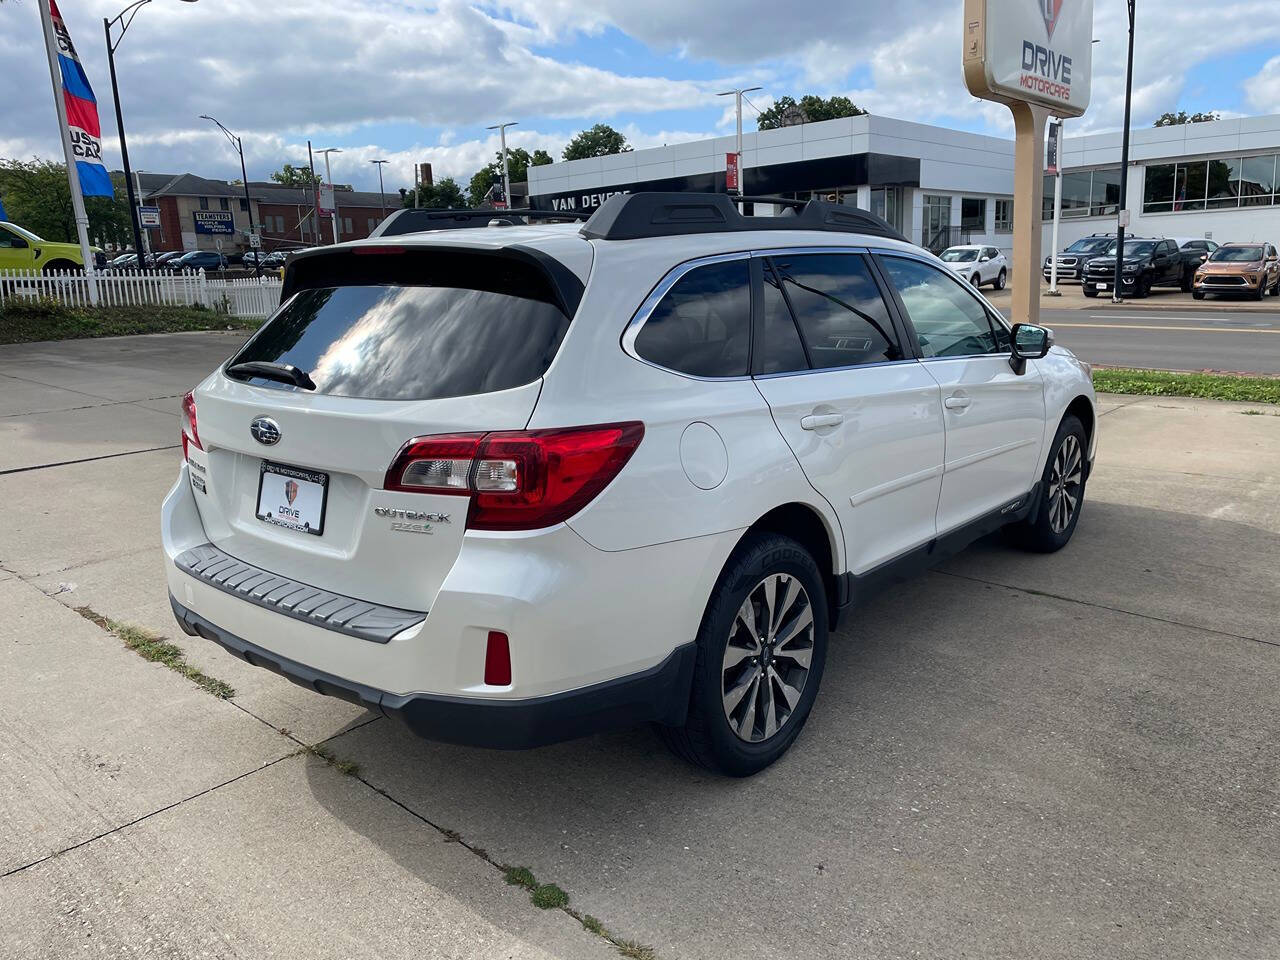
{"points": [[1002, 761]]}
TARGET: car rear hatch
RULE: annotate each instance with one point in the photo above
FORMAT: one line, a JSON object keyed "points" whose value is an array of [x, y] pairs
{"points": [[399, 343]]}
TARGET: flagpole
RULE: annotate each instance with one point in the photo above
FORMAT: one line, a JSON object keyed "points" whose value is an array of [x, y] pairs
{"points": [[73, 174]]}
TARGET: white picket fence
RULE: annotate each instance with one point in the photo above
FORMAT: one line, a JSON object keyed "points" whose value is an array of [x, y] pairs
{"points": [[249, 297]]}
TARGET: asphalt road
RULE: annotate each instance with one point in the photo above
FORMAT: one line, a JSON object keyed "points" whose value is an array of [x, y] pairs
{"points": [[1061, 757], [1243, 342]]}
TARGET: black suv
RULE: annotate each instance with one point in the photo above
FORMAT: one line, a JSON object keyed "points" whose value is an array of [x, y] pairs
{"points": [[1148, 262], [1073, 262]]}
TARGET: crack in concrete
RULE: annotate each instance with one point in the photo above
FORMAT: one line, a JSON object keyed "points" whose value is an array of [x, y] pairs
{"points": [[94, 406], [1102, 606], [105, 456]]}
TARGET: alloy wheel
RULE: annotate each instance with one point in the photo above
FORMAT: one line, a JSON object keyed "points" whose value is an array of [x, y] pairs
{"points": [[1065, 481], [767, 659]]}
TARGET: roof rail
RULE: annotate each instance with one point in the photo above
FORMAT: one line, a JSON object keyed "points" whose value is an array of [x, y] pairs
{"points": [[632, 216], [421, 219]]}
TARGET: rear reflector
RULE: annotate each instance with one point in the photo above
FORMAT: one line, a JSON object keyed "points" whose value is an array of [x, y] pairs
{"points": [[190, 435], [517, 480], [497, 660]]}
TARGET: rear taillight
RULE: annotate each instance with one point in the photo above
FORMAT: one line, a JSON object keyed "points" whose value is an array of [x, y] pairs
{"points": [[190, 435], [517, 480]]}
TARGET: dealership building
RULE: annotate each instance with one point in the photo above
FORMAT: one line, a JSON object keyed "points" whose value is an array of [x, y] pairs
{"points": [[941, 187]]}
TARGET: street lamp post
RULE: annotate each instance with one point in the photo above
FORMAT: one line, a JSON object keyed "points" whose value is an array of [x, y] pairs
{"points": [[244, 179], [737, 96], [333, 194], [123, 19], [381, 192], [1124, 162], [506, 178]]}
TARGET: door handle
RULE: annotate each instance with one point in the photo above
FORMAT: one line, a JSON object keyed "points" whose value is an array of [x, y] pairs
{"points": [[816, 420], [956, 403]]}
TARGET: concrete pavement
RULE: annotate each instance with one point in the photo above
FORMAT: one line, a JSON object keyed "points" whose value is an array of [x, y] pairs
{"points": [[1013, 756]]}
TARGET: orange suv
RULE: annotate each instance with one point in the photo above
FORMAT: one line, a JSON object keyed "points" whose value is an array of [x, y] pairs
{"points": [[1249, 268]]}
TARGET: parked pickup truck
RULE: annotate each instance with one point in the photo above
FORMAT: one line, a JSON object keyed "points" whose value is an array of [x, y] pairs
{"points": [[1148, 262]]}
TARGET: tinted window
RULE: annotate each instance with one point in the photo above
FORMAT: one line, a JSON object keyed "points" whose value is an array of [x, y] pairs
{"points": [[403, 342], [779, 349], [949, 322], [838, 308], [703, 324]]}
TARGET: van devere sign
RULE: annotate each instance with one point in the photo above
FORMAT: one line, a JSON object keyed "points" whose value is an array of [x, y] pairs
{"points": [[214, 221], [1039, 51], [584, 201]]}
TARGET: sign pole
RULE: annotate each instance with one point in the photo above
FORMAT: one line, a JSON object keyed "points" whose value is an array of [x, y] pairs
{"points": [[1055, 167], [73, 174], [1029, 121]]}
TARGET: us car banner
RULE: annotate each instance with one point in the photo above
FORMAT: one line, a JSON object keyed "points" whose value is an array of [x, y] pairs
{"points": [[82, 114]]}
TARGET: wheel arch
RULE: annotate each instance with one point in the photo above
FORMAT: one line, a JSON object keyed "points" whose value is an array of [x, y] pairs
{"points": [[806, 525], [1082, 409]]}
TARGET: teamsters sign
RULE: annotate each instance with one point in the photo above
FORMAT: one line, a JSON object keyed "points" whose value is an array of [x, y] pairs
{"points": [[1036, 51]]}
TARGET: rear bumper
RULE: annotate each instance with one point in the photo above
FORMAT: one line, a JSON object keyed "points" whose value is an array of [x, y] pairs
{"points": [[659, 694]]}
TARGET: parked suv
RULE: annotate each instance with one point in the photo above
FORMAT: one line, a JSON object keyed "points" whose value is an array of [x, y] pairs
{"points": [[1074, 261], [1248, 268], [978, 264], [1148, 262], [516, 484]]}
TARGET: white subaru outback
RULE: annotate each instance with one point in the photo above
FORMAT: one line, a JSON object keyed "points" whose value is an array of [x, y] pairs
{"points": [[517, 484]]}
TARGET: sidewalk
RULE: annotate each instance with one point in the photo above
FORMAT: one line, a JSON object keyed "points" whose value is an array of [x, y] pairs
{"points": [[1162, 298]]}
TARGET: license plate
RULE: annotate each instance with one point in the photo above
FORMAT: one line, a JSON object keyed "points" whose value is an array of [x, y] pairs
{"points": [[1100, 286], [292, 497]]}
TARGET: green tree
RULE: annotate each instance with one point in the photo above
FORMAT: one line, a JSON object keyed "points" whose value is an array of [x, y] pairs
{"points": [[36, 196], [444, 194], [291, 176], [1174, 119], [786, 112], [519, 160], [600, 141]]}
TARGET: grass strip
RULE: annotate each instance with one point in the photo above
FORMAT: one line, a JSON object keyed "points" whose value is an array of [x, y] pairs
{"points": [[28, 321], [157, 649], [1209, 386]]}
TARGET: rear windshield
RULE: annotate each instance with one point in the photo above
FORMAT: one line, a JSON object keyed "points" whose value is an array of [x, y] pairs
{"points": [[414, 341]]}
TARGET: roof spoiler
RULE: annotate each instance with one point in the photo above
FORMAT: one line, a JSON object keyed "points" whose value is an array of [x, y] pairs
{"points": [[633, 216]]}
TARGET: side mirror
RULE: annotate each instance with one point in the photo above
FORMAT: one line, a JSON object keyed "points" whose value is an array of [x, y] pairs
{"points": [[1204, 257], [983, 259], [1028, 342]]}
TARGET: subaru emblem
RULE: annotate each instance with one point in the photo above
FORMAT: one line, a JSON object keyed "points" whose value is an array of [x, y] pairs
{"points": [[265, 430]]}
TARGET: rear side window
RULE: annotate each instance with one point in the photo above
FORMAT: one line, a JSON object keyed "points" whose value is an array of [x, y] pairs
{"points": [[405, 340], [838, 308], [702, 326]]}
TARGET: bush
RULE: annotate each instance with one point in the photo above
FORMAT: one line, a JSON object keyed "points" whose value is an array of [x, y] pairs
{"points": [[23, 321]]}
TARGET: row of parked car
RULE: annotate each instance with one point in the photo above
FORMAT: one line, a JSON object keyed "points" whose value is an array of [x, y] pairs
{"points": [[1196, 265], [207, 260]]}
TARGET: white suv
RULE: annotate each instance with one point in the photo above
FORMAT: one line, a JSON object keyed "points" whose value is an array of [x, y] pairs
{"points": [[516, 484], [978, 264]]}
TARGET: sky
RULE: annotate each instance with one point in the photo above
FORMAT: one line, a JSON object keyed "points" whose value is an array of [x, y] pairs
{"points": [[413, 81]]}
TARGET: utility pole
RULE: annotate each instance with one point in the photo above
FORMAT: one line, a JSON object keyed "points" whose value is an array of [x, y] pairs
{"points": [[1124, 163], [244, 180], [328, 176], [506, 178], [737, 97], [146, 234], [1053, 290], [381, 192], [315, 194]]}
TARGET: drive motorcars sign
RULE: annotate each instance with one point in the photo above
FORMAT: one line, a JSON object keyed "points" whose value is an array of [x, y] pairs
{"points": [[1036, 51]]}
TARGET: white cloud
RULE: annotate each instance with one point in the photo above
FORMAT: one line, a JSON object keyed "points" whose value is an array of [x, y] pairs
{"points": [[1262, 90]]}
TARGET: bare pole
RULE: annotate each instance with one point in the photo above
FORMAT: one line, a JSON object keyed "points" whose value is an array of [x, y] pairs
{"points": [[381, 192]]}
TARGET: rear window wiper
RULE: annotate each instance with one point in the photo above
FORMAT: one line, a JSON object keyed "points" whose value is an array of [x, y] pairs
{"points": [[281, 372]]}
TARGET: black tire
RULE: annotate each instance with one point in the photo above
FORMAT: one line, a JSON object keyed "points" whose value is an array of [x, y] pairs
{"points": [[976, 280], [1142, 287], [1187, 278], [1275, 291], [1262, 287], [1038, 534], [1001, 280], [68, 266], [707, 739], [1089, 291], [1197, 294]]}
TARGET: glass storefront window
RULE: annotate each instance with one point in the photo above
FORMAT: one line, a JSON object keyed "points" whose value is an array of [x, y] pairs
{"points": [[1224, 183], [1004, 214], [1076, 188], [1189, 185], [973, 213], [1104, 199], [1157, 193], [1257, 181]]}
